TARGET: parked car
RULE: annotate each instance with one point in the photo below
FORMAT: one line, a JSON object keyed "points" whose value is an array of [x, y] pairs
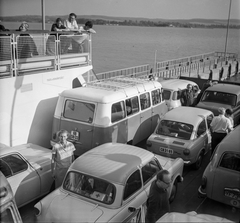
{"points": [[172, 90], [109, 183], [221, 178], [191, 217], [28, 169], [222, 95], [8, 209], [183, 132]]}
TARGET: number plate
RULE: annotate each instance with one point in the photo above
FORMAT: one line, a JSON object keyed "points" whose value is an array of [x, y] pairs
{"points": [[166, 150], [232, 194], [74, 135]]}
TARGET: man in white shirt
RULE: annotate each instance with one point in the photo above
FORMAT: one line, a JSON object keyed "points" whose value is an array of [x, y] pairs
{"points": [[219, 127], [71, 23]]}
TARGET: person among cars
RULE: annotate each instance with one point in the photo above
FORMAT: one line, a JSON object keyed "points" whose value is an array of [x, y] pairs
{"points": [[187, 97], [206, 85], [158, 202], [62, 157], [219, 127], [229, 115]]}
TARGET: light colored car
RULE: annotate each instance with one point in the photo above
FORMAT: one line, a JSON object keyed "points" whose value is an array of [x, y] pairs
{"points": [[221, 178], [109, 183], [183, 132], [222, 95], [172, 90], [191, 217], [8, 209], [28, 169]]}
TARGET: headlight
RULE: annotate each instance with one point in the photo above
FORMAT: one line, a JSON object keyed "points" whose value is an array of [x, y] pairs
{"points": [[186, 152], [38, 208]]}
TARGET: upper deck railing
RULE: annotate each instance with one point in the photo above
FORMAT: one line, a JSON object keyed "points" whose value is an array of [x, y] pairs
{"points": [[24, 53]]}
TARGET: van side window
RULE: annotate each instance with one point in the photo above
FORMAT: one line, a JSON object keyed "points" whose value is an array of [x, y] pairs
{"points": [[145, 101], [149, 171], [118, 112], [132, 105], [166, 94], [156, 97], [80, 111], [133, 184], [15, 163], [231, 161]]}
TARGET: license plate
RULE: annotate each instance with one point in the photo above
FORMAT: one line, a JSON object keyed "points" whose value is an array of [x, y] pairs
{"points": [[166, 150], [74, 135], [232, 194]]}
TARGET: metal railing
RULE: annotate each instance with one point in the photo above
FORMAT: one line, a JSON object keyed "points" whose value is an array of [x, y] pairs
{"points": [[27, 53]]}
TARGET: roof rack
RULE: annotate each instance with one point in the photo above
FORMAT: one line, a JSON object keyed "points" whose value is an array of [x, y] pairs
{"points": [[119, 83]]}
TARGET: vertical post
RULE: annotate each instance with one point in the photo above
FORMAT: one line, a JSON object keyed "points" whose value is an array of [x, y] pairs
{"points": [[43, 14], [225, 51], [155, 62]]}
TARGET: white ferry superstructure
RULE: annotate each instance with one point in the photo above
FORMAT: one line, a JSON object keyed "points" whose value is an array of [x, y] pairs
{"points": [[34, 69]]}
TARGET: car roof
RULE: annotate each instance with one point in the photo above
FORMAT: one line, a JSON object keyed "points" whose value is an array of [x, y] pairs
{"points": [[111, 90], [113, 162], [176, 84], [228, 88], [231, 142], [190, 115]]}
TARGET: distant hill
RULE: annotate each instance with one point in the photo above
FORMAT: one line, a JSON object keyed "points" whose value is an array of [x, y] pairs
{"points": [[50, 19]]}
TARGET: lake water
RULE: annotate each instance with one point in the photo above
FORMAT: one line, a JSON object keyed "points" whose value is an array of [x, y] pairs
{"points": [[117, 47]]}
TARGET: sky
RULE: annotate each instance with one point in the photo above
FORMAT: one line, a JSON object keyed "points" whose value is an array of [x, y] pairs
{"points": [[159, 9]]}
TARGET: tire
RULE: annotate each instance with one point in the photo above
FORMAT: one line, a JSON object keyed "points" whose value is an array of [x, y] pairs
{"points": [[174, 191], [198, 163]]}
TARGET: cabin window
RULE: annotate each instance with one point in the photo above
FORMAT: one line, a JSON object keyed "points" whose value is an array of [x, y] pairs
{"points": [[132, 106], [133, 184], [231, 161], [166, 94], [145, 101], [118, 111], [80, 111], [150, 170], [156, 97], [7, 215], [12, 164], [201, 128]]}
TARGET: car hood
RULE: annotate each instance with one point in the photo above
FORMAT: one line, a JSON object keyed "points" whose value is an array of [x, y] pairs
{"points": [[212, 106], [165, 162], [191, 217], [66, 208]]}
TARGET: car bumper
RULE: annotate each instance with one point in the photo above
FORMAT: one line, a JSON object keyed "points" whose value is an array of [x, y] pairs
{"points": [[201, 193]]}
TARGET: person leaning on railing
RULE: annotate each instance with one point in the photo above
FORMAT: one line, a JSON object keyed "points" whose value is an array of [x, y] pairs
{"points": [[65, 42], [26, 45]]}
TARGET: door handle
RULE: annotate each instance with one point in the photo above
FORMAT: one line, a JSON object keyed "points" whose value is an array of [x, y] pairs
{"points": [[89, 130]]}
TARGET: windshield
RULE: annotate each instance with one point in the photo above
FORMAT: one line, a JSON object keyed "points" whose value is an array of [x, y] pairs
{"points": [[219, 97], [175, 129], [89, 187]]}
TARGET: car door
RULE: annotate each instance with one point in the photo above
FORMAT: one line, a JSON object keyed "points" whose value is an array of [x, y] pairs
{"points": [[133, 199], [227, 191], [24, 180]]}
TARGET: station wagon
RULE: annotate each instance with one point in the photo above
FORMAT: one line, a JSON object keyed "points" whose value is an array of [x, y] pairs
{"points": [[109, 183], [221, 178], [183, 132], [222, 95]]}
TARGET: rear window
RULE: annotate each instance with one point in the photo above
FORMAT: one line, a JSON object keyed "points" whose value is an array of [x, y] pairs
{"points": [[219, 97], [90, 187], [80, 111], [166, 94], [175, 129], [231, 161]]}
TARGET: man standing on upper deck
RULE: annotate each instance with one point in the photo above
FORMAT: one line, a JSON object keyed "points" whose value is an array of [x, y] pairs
{"points": [[71, 23]]}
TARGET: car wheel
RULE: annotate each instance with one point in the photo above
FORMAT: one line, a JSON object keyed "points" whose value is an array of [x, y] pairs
{"points": [[198, 163], [173, 192]]}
